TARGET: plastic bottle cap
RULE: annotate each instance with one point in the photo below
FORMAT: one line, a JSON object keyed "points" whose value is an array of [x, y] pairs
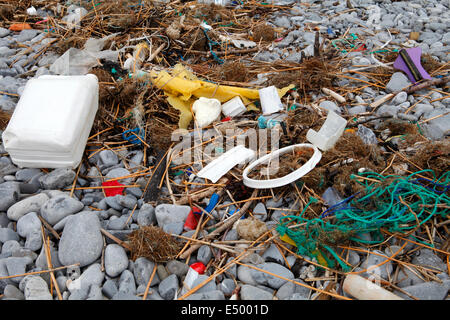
{"points": [[199, 267]]}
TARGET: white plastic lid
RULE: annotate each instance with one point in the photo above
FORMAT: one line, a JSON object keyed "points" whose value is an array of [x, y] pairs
{"points": [[293, 176]]}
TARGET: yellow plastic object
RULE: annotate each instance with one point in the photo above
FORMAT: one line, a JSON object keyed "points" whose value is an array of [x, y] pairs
{"points": [[182, 88], [322, 261], [286, 238]]}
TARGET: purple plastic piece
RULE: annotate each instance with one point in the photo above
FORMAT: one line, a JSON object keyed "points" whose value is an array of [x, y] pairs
{"points": [[414, 54]]}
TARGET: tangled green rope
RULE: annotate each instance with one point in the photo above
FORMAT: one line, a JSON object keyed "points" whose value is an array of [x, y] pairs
{"points": [[394, 203]]}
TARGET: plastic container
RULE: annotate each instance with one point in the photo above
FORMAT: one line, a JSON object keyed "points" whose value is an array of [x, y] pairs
{"points": [[233, 107], [52, 121], [194, 271], [330, 132], [270, 100]]}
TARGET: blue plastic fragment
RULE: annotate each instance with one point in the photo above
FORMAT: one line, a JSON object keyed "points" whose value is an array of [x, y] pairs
{"points": [[131, 137]]}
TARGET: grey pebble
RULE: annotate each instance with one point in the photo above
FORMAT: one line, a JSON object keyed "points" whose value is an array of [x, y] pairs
{"points": [[249, 292], [35, 288], [227, 286], [143, 269], [168, 287], [269, 280], [27, 205], [116, 260], [57, 179], [127, 283], [210, 295], [57, 208], [81, 240], [177, 267]]}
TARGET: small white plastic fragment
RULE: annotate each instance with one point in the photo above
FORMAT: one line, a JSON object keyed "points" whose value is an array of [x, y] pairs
{"points": [[233, 107], [270, 100], [330, 132], [243, 43], [206, 111], [363, 289], [291, 177], [205, 25], [218, 167], [31, 11]]}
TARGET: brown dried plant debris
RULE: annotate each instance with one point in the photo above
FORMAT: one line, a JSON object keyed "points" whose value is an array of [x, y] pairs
{"points": [[408, 131], [334, 237], [382, 74], [4, 119], [153, 243], [263, 32], [299, 121], [434, 155], [212, 13], [6, 12], [315, 74], [233, 71], [332, 170], [399, 127], [160, 133], [72, 40], [196, 40], [429, 63]]}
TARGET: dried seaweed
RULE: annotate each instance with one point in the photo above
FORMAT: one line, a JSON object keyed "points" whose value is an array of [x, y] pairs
{"points": [[153, 243]]}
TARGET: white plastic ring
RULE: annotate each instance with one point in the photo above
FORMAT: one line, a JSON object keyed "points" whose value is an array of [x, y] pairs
{"points": [[291, 177]]}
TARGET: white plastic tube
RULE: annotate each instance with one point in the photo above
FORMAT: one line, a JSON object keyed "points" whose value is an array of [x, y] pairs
{"points": [[293, 176], [363, 289]]}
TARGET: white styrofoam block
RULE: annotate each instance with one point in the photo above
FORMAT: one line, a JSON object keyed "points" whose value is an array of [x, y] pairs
{"points": [[270, 100], [52, 121], [233, 107]]}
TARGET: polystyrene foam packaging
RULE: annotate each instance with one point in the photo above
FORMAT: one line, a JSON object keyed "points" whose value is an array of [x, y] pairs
{"points": [[52, 121]]}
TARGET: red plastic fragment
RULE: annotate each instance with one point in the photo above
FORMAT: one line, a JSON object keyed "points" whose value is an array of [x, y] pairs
{"points": [[192, 219], [111, 192]]}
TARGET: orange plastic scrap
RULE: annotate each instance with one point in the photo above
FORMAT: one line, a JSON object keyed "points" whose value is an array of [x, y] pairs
{"points": [[20, 27]]}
